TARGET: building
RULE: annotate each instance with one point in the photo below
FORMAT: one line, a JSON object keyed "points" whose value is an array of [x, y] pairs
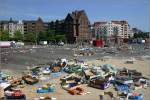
{"points": [[35, 26], [123, 28], [101, 29], [77, 26], [57, 26], [92, 31], [12, 26], [111, 30]]}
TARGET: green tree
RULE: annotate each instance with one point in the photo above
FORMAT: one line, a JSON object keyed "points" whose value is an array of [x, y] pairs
{"points": [[104, 34], [18, 36], [4, 35], [55, 37], [51, 31], [115, 33], [51, 35], [60, 38], [97, 36], [141, 35], [135, 35], [30, 37], [42, 36]]}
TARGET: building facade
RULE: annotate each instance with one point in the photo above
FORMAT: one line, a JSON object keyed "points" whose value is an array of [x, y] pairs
{"points": [[101, 29], [57, 26], [35, 26], [77, 26], [12, 26], [121, 29]]}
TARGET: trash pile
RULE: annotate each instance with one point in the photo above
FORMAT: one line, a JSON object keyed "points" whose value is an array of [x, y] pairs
{"points": [[130, 60], [74, 75], [46, 88], [30, 79], [84, 52], [45, 98], [124, 81], [76, 90], [14, 94], [70, 81], [124, 47], [10, 86], [100, 83]]}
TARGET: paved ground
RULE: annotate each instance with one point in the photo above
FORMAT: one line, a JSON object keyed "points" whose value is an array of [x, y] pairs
{"points": [[19, 58]]}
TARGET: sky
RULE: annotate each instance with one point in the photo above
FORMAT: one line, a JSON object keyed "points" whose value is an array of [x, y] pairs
{"points": [[136, 12]]}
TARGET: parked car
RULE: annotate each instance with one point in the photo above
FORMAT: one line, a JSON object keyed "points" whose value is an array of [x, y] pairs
{"points": [[60, 43]]}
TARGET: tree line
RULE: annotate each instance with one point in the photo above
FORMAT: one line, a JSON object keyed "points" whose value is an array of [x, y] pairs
{"points": [[142, 35], [50, 35]]}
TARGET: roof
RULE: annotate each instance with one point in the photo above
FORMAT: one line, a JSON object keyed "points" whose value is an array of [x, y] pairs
{"points": [[76, 14], [29, 21], [6, 21], [33, 21], [98, 23], [119, 22]]}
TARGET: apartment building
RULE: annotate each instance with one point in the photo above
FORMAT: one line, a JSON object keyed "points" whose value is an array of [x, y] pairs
{"points": [[120, 29], [123, 28], [58, 26], [12, 26], [101, 29], [35, 26]]}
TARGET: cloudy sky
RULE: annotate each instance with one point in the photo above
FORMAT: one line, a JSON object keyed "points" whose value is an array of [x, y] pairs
{"points": [[137, 12]]}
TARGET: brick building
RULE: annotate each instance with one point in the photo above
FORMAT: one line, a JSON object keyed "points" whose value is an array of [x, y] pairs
{"points": [[57, 26], [77, 26], [35, 26]]}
